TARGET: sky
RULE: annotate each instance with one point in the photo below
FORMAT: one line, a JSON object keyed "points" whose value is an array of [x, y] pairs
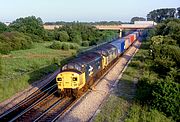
{"points": [[81, 10]]}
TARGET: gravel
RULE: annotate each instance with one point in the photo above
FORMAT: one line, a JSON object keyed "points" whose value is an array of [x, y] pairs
{"points": [[86, 108]]}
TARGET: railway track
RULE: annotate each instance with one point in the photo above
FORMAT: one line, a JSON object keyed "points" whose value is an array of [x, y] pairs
{"points": [[40, 93], [47, 109]]}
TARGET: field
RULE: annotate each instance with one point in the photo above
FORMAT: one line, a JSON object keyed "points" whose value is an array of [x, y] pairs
{"points": [[22, 67], [121, 105]]}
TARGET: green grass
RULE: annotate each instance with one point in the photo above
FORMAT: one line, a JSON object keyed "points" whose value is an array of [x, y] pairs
{"points": [[112, 110], [20, 68], [138, 113], [119, 106]]}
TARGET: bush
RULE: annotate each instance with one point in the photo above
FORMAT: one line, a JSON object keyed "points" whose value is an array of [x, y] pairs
{"points": [[14, 41], [144, 91], [56, 45], [35, 38], [166, 97], [63, 36], [64, 45], [74, 46], [85, 43]]}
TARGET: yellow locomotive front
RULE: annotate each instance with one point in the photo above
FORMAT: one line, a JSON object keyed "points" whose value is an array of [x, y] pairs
{"points": [[70, 78]]}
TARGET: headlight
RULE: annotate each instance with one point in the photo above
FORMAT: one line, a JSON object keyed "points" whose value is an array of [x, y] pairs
{"points": [[74, 79], [59, 79]]}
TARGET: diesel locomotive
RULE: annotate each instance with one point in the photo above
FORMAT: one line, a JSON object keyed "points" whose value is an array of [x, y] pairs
{"points": [[81, 72]]}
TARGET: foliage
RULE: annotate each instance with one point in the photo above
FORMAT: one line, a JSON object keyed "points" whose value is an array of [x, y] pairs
{"points": [[20, 67], [14, 41], [64, 45], [161, 14], [137, 19], [170, 27], [162, 93], [85, 43], [3, 27], [31, 25], [166, 97], [79, 32], [62, 36], [143, 114]]}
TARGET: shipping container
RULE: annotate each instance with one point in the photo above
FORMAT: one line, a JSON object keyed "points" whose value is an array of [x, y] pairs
{"points": [[127, 42], [131, 36], [120, 45]]}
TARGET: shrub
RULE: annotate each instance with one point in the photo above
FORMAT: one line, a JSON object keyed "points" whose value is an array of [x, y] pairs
{"points": [[65, 46], [74, 46], [166, 97], [56, 45], [85, 43], [63, 36], [14, 41]]}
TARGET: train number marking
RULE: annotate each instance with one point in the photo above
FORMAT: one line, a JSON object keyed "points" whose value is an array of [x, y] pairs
{"points": [[90, 70]]}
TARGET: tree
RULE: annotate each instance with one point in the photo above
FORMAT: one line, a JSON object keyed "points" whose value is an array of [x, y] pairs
{"points": [[31, 25], [3, 27], [161, 14], [63, 36], [137, 19], [166, 97], [77, 39], [14, 41]]}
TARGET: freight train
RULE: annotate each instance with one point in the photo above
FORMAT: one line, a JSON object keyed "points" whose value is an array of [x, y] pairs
{"points": [[81, 72]]}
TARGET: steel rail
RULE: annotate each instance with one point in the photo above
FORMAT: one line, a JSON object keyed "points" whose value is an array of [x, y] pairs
{"points": [[33, 105]]}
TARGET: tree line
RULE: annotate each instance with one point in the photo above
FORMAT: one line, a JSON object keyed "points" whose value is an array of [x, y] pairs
{"points": [[159, 85], [22, 32], [161, 14]]}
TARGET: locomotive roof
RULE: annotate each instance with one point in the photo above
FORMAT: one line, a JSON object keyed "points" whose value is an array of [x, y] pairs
{"points": [[86, 58], [104, 49]]}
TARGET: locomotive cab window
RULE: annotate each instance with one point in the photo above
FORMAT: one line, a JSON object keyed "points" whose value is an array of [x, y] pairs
{"points": [[64, 67], [70, 66]]}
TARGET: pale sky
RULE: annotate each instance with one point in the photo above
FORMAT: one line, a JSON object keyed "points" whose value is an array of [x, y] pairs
{"points": [[81, 10]]}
